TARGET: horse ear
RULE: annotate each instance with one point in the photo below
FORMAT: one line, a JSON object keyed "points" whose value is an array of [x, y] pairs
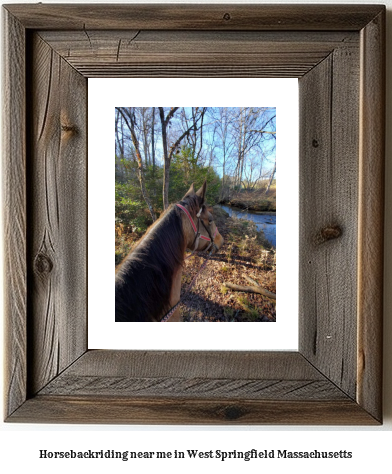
{"points": [[191, 191], [202, 191]]}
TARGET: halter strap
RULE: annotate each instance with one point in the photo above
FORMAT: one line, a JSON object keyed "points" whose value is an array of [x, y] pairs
{"points": [[189, 216], [194, 225]]}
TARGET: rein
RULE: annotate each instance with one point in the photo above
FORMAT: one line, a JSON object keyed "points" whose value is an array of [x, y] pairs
{"points": [[196, 243]]}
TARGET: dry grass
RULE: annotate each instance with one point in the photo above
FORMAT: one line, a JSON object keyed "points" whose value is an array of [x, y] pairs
{"points": [[243, 253], [257, 199], [124, 242]]}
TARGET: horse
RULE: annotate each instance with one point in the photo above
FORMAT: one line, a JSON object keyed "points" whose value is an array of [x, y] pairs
{"points": [[148, 281]]}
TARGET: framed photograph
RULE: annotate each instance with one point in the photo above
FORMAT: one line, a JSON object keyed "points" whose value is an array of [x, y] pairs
{"points": [[244, 252], [337, 53]]}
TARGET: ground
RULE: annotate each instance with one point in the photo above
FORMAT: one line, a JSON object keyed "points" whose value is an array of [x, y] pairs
{"points": [[245, 251]]}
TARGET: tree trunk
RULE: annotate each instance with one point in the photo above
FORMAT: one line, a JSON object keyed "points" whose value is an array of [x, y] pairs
{"points": [[271, 178], [168, 153], [241, 139], [166, 181], [153, 141], [243, 148], [146, 145], [119, 140], [166, 162], [144, 192], [131, 125]]}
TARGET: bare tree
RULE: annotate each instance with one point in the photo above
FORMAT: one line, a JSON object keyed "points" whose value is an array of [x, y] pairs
{"points": [[270, 134], [254, 171], [271, 178], [119, 148], [170, 149], [153, 139], [236, 138], [128, 114], [145, 124], [254, 127], [222, 120], [119, 131], [194, 123]]}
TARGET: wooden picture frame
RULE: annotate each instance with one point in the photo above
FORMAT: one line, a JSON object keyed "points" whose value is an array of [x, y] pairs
{"points": [[338, 54]]}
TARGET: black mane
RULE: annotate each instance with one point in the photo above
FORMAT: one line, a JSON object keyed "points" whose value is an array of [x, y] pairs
{"points": [[144, 279]]}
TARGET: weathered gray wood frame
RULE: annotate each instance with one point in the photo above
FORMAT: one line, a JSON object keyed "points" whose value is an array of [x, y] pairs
{"points": [[337, 52]]}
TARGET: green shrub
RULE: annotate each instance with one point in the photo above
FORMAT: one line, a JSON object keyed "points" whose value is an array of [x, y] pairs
{"points": [[185, 170], [130, 211]]}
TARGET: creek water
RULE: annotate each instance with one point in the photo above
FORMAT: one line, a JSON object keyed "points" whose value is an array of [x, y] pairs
{"points": [[264, 221]]}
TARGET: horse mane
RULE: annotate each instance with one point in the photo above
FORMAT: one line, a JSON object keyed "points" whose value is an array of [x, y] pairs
{"points": [[144, 279]]}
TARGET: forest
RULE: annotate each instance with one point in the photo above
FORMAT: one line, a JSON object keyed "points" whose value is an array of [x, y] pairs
{"points": [[160, 152]]}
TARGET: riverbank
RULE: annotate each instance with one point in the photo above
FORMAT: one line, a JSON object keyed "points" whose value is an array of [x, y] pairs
{"points": [[256, 200], [245, 254], [265, 221]]}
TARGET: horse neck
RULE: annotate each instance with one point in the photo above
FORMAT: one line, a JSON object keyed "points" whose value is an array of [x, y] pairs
{"points": [[175, 291], [176, 282], [132, 277], [175, 295]]}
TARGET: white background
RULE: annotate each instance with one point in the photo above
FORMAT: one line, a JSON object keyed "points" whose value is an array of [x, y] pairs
{"points": [[104, 96], [19, 444]]}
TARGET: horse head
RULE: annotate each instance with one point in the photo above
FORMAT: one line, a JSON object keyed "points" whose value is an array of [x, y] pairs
{"points": [[200, 229]]}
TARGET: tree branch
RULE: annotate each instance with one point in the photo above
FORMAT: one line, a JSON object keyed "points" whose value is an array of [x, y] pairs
{"points": [[251, 289]]}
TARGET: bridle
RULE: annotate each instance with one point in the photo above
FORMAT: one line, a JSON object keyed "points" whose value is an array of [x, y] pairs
{"points": [[198, 235], [195, 244]]}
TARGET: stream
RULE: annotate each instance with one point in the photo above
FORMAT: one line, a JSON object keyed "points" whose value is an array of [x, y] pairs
{"points": [[264, 221]]}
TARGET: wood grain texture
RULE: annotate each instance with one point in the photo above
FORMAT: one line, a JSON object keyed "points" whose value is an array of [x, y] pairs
{"points": [[205, 374], [195, 17], [191, 387], [336, 376], [329, 199], [58, 215], [371, 216], [153, 411], [14, 209], [195, 364], [126, 53]]}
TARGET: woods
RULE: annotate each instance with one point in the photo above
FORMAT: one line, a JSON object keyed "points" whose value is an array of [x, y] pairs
{"points": [[160, 151]]}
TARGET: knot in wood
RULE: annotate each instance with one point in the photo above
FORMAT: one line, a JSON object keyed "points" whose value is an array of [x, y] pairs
{"points": [[43, 264], [227, 16], [328, 233], [68, 128], [315, 143], [232, 412]]}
